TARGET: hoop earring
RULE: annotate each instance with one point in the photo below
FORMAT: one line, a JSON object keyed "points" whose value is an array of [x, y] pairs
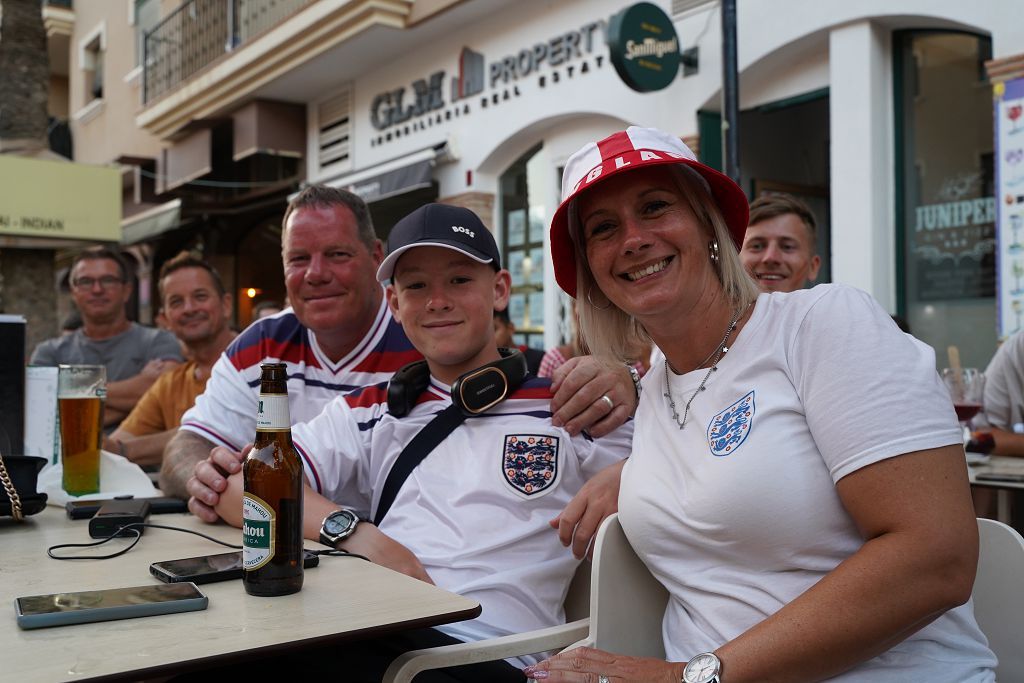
{"points": [[713, 250], [591, 301]]}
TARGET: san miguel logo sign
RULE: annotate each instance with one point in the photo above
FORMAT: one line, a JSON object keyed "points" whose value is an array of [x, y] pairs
{"points": [[644, 47]]}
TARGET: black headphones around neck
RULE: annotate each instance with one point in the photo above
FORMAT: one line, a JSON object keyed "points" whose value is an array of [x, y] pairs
{"points": [[474, 392]]}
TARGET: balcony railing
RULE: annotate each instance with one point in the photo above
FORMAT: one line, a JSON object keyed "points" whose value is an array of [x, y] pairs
{"points": [[199, 32]]}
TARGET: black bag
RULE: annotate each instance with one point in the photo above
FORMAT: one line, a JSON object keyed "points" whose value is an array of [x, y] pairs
{"points": [[18, 477]]}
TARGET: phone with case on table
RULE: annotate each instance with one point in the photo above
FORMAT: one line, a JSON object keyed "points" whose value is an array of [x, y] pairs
{"points": [[82, 607]]}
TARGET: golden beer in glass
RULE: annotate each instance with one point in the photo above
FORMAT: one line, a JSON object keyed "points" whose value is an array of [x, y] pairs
{"points": [[81, 391]]}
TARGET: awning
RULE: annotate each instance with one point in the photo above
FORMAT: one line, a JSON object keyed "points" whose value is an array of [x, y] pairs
{"points": [[398, 176], [43, 199], [151, 222]]}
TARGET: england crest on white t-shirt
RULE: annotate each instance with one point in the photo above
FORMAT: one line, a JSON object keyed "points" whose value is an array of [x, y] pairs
{"points": [[729, 428], [530, 462]]}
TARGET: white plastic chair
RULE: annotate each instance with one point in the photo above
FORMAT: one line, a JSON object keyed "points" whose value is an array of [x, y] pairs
{"points": [[999, 595], [576, 606], [625, 604]]}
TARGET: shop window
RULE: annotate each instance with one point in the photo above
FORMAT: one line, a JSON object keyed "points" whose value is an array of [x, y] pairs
{"points": [[523, 220], [945, 203]]}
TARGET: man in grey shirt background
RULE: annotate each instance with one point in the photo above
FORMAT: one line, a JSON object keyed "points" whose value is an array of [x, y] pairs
{"points": [[134, 355]]}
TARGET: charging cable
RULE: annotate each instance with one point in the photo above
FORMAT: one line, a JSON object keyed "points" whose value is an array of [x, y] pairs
{"points": [[134, 529]]}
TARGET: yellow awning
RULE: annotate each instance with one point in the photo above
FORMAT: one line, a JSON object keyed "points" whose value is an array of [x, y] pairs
{"points": [[52, 199]]}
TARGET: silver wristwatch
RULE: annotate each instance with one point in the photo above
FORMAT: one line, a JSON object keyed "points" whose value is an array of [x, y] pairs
{"points": [[703, 668], [338, 526]]}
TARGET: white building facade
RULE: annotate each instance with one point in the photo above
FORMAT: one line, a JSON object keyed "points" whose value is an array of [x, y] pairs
{"points": [[878, 113]]}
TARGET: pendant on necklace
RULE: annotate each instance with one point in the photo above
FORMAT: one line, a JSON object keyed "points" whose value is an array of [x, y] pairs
{"points": [[716, 357]]}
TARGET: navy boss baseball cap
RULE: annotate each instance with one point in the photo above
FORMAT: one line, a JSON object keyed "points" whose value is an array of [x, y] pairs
{"points": [[440, 225]]}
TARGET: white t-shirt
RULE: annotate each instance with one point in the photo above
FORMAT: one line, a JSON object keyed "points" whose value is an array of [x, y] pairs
{"points": [[225, 413], [737, 514], [1004, 386], [475, 511]]}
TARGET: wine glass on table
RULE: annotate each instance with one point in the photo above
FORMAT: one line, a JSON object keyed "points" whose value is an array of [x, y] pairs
{"points": [[966, 387]]}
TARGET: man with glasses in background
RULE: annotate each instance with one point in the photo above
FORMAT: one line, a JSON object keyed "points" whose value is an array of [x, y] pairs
{"points": [[133, 355]]}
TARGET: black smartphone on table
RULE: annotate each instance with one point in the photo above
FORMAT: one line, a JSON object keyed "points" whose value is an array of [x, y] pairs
{"points": [[84, 509], [82, 607], [1016, 477], [210, 568]]}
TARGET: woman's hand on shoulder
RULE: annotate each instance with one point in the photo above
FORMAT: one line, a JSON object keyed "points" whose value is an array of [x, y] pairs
{"points": [[585, 664], [579, 386]]}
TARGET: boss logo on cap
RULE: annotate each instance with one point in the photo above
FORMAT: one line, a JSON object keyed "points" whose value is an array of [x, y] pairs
{"points": [[459, 228]]}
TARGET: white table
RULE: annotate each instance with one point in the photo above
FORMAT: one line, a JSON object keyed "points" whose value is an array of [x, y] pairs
{"points": [[342, 599], [1000, 464]]}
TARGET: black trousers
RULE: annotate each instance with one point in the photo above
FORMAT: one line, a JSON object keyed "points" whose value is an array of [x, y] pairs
{"points": [[362, 661]]}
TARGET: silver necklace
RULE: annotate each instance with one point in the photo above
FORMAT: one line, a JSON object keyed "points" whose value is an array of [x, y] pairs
{"points": [[716, 355]]}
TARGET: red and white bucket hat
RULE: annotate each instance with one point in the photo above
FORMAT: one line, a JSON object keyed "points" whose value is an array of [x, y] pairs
{"points": [[628, 150]]}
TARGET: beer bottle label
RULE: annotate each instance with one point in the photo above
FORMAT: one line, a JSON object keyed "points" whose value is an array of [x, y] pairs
{"points": [[258, 522], [272, 415]]}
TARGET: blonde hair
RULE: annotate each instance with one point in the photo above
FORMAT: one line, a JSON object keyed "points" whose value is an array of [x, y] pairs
{"points": [[611, 332]]}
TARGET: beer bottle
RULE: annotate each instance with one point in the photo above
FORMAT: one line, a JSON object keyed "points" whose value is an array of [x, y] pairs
{"points": [[272, 503]]}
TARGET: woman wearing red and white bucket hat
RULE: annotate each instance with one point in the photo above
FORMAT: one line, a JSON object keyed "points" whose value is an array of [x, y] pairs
{"points": [[797, 480]]}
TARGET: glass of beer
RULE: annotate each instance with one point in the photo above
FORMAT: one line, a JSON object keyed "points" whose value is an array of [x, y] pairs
{"points": [[81, 391]]}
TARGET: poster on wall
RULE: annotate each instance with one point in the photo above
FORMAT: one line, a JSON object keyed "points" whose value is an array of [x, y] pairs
{"points": [[954, 241], [1009, 163]]}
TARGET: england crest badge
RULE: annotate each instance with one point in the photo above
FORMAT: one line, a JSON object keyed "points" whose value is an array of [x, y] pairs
{"points": [[729, 428], [530, 462]]}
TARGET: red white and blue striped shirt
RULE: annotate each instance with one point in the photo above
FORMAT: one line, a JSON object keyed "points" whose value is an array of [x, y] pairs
{"points": [[225, 413]]}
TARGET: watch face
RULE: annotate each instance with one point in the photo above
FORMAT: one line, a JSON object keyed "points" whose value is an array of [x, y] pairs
{"points": [[339, 522], [702, 668]]}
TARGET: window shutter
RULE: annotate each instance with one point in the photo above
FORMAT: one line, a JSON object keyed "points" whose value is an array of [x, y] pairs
{"points": [[682, 6], [334, 121]]}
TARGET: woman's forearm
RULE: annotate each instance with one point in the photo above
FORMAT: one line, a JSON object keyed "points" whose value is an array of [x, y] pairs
{"points": [[874, 600]]}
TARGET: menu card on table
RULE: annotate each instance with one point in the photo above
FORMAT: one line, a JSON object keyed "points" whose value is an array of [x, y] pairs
{"points": [[42, 437], [12, 379]]}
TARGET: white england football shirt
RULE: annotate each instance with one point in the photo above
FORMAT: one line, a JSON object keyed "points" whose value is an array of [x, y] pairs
{"points": [[737, 513], [475, 511]]}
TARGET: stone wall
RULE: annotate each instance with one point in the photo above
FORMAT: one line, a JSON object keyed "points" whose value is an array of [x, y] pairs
{"points": [[480, 203], [27, 289]]}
